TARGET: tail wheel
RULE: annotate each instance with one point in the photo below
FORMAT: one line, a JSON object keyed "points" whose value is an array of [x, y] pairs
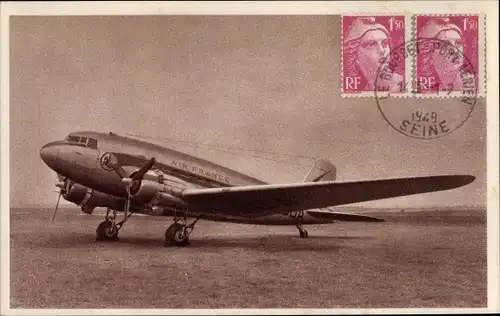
{"points": [[105, 231], [175, 235]]}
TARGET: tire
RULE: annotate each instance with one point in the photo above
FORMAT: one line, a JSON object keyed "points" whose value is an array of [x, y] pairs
{"points": [[173, 236], [304, 234], [103, 232]]}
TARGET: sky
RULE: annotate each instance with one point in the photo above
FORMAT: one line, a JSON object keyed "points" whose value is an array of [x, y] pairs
{"points": [[265, 83]]}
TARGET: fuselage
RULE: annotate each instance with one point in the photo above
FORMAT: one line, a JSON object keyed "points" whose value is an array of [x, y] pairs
{"points": [[82, 158]]}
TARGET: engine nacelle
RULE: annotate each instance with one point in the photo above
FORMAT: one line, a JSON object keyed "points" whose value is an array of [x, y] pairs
{"points": [[89, 209], [153, 194], [94, 199], [89, 199], [147, 191], [75, 192], [170, 200]]}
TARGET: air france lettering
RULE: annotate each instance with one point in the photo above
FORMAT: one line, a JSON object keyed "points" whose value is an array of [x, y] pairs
{"points": [[197, 170]]}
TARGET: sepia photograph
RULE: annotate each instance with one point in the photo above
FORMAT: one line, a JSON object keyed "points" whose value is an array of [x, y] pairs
{"points": [[172, 161]]}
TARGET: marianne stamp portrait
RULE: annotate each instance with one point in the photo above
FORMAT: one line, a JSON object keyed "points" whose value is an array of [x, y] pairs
{"points": [[450, 56], [367, 45]]}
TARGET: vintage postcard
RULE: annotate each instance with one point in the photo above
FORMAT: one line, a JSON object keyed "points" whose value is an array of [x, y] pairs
{"points": [[249, 158]]}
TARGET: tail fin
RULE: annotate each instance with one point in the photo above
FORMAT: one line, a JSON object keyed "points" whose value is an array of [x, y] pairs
{"points": [[323, 170]]}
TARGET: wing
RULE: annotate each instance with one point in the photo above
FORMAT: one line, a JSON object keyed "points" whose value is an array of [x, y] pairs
{"points": [[259, 200]]}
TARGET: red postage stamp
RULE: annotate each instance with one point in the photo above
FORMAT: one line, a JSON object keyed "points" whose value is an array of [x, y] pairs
{"points": [[368, 42], [450, 56]]}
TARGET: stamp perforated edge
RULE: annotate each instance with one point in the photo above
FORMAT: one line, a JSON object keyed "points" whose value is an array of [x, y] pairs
{"points": [[408, 62], [481, 71]]}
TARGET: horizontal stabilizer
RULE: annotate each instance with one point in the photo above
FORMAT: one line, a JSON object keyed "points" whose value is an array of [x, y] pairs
{"points": [[341, 216]]}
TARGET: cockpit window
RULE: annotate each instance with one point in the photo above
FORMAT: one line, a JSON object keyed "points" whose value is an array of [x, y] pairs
{"points": [[92, 143], [82, 141], [73, 139]]}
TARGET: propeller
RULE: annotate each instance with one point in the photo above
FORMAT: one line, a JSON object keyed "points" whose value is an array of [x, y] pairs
{"points": [[62, 186], [57, 205], [142, 171], [132, 183], [139, 175]]}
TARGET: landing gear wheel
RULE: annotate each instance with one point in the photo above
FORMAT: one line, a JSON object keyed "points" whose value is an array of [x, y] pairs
{"points": [[304, 234], [302, 231], [176, 235], [105, 231]]}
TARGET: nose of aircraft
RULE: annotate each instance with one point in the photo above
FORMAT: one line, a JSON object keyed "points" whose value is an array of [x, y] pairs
{"points": [[49, 154]]}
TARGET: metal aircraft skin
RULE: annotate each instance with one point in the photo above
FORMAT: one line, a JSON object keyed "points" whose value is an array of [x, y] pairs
{"points": [[130, 175]]}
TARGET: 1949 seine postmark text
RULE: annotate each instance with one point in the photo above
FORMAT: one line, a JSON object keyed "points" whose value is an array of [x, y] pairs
{"points": [[442, 69]]}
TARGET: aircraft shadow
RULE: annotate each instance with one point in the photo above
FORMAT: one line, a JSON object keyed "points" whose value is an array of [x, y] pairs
{"points": [[89, 241], [274, 243], [261, 243]]}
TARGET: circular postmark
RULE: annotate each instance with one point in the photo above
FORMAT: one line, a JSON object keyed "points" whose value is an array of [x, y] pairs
{"points": [[108, 161], [444, 77]]}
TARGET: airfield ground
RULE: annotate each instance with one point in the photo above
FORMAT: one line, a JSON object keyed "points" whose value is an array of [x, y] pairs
{"points": [[412, 260]]}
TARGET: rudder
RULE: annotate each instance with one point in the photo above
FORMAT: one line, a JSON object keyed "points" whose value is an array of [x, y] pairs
{"points": [[322, 170]]}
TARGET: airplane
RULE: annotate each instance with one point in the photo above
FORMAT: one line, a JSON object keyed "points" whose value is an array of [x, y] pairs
{"points": [[129, 175]]}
